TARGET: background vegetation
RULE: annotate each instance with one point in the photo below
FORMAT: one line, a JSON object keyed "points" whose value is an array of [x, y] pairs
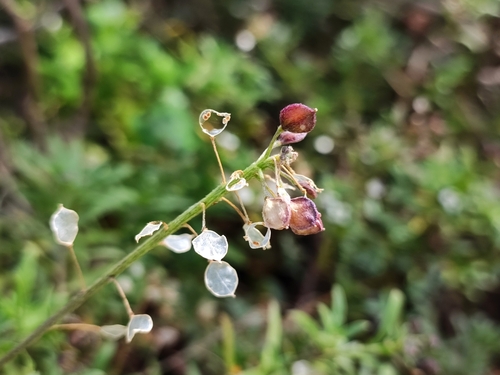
{"points": [[98, 111]]}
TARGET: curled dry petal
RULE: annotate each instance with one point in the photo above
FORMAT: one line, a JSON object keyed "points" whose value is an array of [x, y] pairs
{"points": [[149, 229], [308, 185], [255, 238], [288, 155], [298, 118], [287, 138], [305, 218]]}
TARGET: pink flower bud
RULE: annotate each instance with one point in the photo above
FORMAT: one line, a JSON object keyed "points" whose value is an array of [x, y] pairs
{"points": [[298, 118], [305, 218], [308, 185], [286, 138], [276, 212]]}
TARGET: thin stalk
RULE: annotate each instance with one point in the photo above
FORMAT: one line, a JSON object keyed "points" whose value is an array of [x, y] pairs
{"points": [[76, 326], [218, 160], [242, 206], [243, 217], [116, 269], [83, 286], [186, 225], [126, 303]]}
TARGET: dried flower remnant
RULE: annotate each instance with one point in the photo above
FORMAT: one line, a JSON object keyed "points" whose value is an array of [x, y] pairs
{"points": [[288, 155], [149, 229], [298, 118], [287, 137], [255, 238], [308, 185], [305, 218], [236, 181]]}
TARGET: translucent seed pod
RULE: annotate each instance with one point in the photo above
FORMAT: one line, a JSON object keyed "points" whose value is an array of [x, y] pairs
{"points": [[64, 225], [221, 279], [212, 125], [255, 238], [141, 323], [178, 243], [211, 245]]}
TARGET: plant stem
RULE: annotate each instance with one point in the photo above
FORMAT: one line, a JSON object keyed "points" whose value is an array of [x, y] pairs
{"points": [[77, 267], [79, 298]]}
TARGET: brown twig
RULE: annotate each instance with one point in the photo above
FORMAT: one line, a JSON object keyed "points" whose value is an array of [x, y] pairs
{"points": [[27, 41], [89, 76]]}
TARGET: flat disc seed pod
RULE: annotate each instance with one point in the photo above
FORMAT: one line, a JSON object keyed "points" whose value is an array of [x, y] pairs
{"points": [[212, 125], [178, 243], [221, 279], [64, 225], [210, 245], [141, 323]]}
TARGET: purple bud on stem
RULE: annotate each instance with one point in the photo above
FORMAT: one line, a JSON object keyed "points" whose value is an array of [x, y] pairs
{"points": [[298, 118]]}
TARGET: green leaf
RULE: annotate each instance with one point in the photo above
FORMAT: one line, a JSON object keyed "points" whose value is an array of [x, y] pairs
{"points": [[391, 315], [355, 328], [270, 355], [306, 323], [339, 306]]}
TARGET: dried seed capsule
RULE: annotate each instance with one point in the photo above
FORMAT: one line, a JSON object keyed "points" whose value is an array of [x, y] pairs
{"points": [[276, 212], [298, 118], [305, 217]]}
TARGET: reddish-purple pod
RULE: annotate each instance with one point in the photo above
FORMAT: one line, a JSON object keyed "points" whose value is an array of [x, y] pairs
{"points": [[298, 118], [305, 218]]}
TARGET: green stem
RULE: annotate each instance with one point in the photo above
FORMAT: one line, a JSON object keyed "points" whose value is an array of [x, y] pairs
{"points": [[78, 299], [265, 155]]}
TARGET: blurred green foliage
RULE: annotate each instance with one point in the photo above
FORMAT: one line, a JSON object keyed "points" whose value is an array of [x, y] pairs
{"points": [[408, 97]]}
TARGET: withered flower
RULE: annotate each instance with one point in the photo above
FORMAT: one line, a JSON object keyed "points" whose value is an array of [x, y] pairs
{"points": [[305, 218]]}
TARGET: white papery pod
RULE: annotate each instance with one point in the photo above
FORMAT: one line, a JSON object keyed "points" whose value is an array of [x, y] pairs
{"points": [[210, 245], [149, 229], [141, 323], [178, 243], [64, 225], [209, 124], [255, 238], [114, 332], [236, 181], [221, 279]]}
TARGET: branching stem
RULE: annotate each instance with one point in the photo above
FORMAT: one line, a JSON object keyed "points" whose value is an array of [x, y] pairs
{"points": [[152, 242]]}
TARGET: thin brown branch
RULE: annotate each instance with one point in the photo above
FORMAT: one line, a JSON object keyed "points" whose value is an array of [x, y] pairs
{"points": [[27, 42], [89, 76]]}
